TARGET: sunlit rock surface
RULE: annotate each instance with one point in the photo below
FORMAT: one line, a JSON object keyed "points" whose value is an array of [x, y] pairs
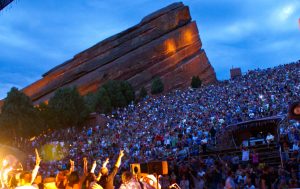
{"points": [[165, 43]]}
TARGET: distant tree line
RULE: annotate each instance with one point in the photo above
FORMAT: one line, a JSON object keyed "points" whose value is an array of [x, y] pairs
{"points": [[66, 108]]}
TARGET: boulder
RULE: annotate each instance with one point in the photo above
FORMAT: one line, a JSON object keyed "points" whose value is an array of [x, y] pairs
{"points": [[165, 43]]}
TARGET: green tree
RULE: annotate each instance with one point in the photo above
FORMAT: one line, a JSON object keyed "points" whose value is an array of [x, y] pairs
{"points": [[67, 108], [115, 94], [196, 82], [18, 117], [127, 91], [157, 86], [143, 93], [112, 94], [102, 102], [44, 115], [90, 101]]}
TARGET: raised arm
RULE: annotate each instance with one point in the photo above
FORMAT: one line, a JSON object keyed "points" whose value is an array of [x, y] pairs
{"points": [[85, 166], [118, 163], [37, 165], [72, 166], [106, 162], [99, 176], [93, 167], [4, 173], [85, 172], [103, 165]]}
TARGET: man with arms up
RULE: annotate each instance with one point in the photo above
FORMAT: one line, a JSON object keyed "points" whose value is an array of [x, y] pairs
{"points": [[107, 180]]}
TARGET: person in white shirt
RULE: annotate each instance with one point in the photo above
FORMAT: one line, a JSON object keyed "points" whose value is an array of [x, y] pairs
{"points": [[184, 183], [296, 146], [269, 138], [128, 182], [149, 182], [229, 183], [198, 180], [25, 179], [204, 144], [245, 155]]}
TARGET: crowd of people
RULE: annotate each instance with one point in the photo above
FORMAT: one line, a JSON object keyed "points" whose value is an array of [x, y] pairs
{"points": [[180, 125]]}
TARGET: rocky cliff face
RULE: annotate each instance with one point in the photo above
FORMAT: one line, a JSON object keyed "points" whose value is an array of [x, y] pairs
{"points": [[165, 43]]}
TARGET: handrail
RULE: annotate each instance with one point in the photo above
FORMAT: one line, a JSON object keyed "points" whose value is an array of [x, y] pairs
{"points": [[280, 156], [234, 142], [278, 138]]}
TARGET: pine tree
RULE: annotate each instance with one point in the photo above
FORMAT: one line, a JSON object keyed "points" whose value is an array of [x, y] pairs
{"points": [[196, 82], [67, 108], [157, 86], [18, 117], [143, 93]]}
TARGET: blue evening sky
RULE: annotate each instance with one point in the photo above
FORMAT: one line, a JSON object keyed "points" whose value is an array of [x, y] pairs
{"points": [[37, 35]]}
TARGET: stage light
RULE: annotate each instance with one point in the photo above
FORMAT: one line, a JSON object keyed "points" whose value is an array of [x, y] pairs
{"points": [[4, 162], [170, 46], [188, 36]]}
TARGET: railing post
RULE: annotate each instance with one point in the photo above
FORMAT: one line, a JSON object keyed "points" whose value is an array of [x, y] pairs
{"points": [[280, 157]]}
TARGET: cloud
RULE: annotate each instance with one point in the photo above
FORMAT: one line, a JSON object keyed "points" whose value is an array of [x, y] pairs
{"points": [[18, 45], [286, 12], [232, 32], [284, 18], [12, 38], [239, 28]]}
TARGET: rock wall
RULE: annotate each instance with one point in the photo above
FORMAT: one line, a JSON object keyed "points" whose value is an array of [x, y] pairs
{"points": [[165, 43]]}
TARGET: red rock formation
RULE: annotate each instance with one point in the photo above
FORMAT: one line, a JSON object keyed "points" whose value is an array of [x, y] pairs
{"points": [[165, 43]]}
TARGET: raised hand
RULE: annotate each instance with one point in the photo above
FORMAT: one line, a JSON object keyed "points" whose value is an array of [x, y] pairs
{"points": [[93, 167], [72, 166], [106, 162], [99, 176], [118, 163], [121, 153], [72, 162], [85, 160], [37, 157]]}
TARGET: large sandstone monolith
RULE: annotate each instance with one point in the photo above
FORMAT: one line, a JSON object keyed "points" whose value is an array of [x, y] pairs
{"points": [[165, 43]]}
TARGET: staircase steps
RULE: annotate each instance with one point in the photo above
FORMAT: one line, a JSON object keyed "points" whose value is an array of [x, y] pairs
{"points": [[267, 154]]}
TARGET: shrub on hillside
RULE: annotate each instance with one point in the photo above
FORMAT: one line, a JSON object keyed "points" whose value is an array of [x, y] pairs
{"points": [[196, 82], [143, 93], [113, 94], [157, 86], [103, 102]]}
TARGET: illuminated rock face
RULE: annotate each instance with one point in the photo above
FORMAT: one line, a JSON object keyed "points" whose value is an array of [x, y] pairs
{"points": [[165, 43]]}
